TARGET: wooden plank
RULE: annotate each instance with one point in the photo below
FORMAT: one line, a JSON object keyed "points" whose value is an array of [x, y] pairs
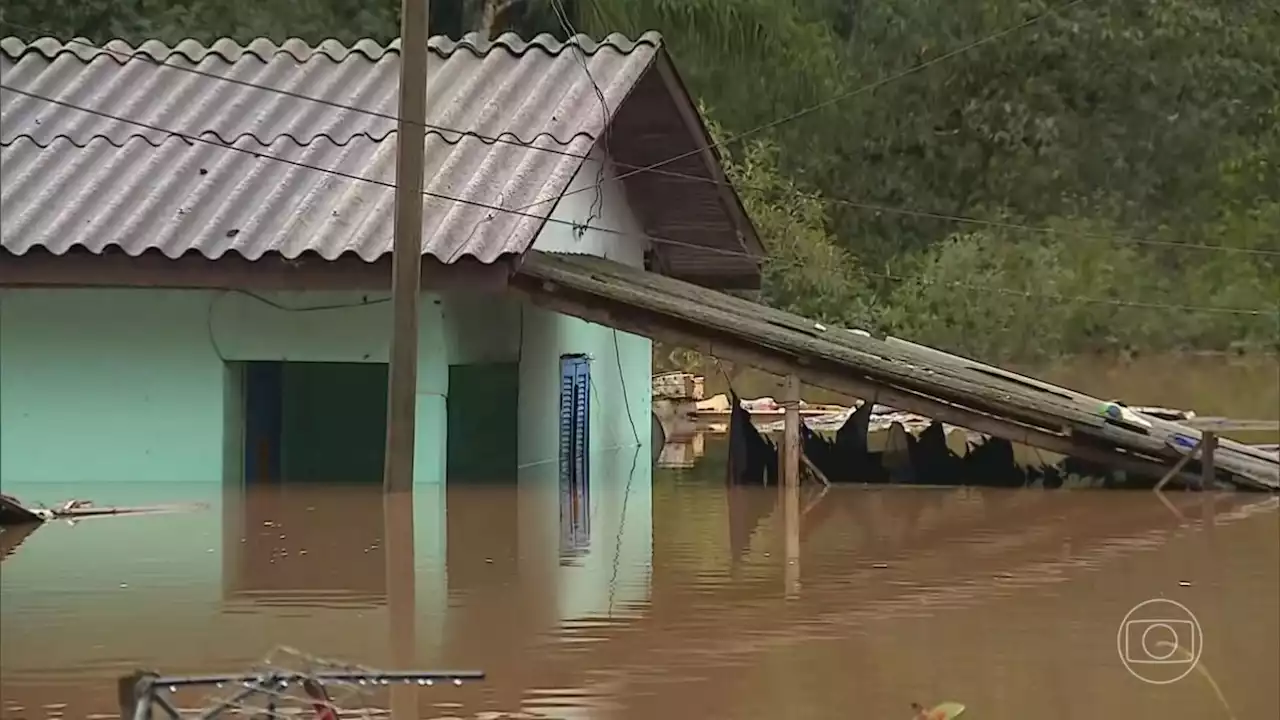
{"points": [[11, 536], [14, 513], [1226, 425], [791, 433], [943, 357], [653, 301], [779, 363], [780, 331], [1208, 447], [863, 348], [1239, 458], [1177, 468], [1246, 467]]}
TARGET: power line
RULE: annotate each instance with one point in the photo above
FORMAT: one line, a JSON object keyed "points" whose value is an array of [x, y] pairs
{"points": [[596, 212], [657, 169], [190, 139]]}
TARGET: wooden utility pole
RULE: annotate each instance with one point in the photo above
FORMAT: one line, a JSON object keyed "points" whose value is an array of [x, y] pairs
{"points": [[402, 384]]}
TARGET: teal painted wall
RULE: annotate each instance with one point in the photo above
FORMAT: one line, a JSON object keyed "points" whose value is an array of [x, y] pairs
{"points": [[134, 380], [84, 373], [621, 378], [121, 397]]}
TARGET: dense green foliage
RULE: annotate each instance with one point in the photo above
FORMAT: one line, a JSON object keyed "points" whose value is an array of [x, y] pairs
{"points": [[1032, 196]]}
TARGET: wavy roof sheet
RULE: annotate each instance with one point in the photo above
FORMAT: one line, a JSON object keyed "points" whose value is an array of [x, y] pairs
{"points": [[72, 179]]}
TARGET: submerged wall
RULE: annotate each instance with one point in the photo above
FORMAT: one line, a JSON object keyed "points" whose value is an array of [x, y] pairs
{"points": [[129, 386], [123, 396]]}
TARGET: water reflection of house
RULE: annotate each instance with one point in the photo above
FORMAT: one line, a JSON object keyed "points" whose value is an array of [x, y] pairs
{"points": [[307, 546], [186, 311], [683, 452]]}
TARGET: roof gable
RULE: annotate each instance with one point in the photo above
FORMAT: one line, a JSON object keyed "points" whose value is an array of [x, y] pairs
{"points": [[511, 122]]}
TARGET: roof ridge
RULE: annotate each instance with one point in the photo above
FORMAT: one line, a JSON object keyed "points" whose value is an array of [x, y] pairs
{"points": [[144, 135], [264, 48]]}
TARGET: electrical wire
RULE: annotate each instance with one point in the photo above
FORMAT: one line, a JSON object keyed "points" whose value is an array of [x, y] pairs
{"points": [[596, 212], [364, 301], [191, 139], [597, 205], [515, 140]]}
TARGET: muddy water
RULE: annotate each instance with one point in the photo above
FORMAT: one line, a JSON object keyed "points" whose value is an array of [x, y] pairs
{"points": [[1010, 602], [675, 599]]}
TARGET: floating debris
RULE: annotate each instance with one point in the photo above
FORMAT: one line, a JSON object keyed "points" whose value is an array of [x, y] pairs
{"points": [[288, 683], [928, 457], [14, 513]]}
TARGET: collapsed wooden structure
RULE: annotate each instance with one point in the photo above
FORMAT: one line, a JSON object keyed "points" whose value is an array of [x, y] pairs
{"points": [[888, 371]]}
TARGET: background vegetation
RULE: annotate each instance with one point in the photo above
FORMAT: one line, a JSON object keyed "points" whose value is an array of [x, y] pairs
{"points": [[1048, 192]]}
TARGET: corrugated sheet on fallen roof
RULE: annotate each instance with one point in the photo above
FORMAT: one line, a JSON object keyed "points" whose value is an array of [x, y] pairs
{"points": [[621, 288], [119, 184], [606, 291]]}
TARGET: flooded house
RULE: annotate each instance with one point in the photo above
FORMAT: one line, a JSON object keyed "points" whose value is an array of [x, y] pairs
{"points": [[195, 266]]}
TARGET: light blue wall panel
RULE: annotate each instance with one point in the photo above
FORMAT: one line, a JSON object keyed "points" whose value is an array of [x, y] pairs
{"points": [[127, 386]]}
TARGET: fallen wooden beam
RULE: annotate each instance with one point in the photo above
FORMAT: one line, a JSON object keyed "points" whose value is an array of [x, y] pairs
{"points": [[594, 309], [1241, 460], [13, 513]]}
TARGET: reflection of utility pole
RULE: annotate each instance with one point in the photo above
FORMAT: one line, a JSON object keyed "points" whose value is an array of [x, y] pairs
{"points": [[401, 584], [406, 256]]}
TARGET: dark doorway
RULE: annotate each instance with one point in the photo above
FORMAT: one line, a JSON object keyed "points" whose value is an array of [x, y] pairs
{"points": [[314, 422], [483, 422]]}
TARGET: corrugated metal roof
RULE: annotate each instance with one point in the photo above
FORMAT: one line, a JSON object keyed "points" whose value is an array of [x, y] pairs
{"points": [[121, 184]]}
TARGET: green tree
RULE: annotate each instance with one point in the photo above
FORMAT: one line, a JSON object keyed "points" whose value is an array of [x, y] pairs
{"points": [[806, 272]]}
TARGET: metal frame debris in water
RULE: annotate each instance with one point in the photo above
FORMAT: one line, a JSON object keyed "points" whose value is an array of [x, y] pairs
{"points": [[284, 685]]}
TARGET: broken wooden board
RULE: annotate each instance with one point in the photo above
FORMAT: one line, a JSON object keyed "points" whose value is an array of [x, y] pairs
{"points": [[999, 403], [13, 513], [1255, 468]]}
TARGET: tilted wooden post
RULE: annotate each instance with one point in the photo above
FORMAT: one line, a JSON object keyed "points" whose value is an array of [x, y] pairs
{"points": [[791, 484], [791, 434], [1208, 444]]}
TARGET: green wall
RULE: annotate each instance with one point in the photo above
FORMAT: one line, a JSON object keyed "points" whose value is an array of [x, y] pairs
{"points": [[621, 372], [135, 380], [483, 431], [621, 521], [334, 422]]}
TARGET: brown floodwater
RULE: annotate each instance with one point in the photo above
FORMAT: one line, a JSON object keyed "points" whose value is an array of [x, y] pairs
{"points": [[681, 605], [675, 599]]}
